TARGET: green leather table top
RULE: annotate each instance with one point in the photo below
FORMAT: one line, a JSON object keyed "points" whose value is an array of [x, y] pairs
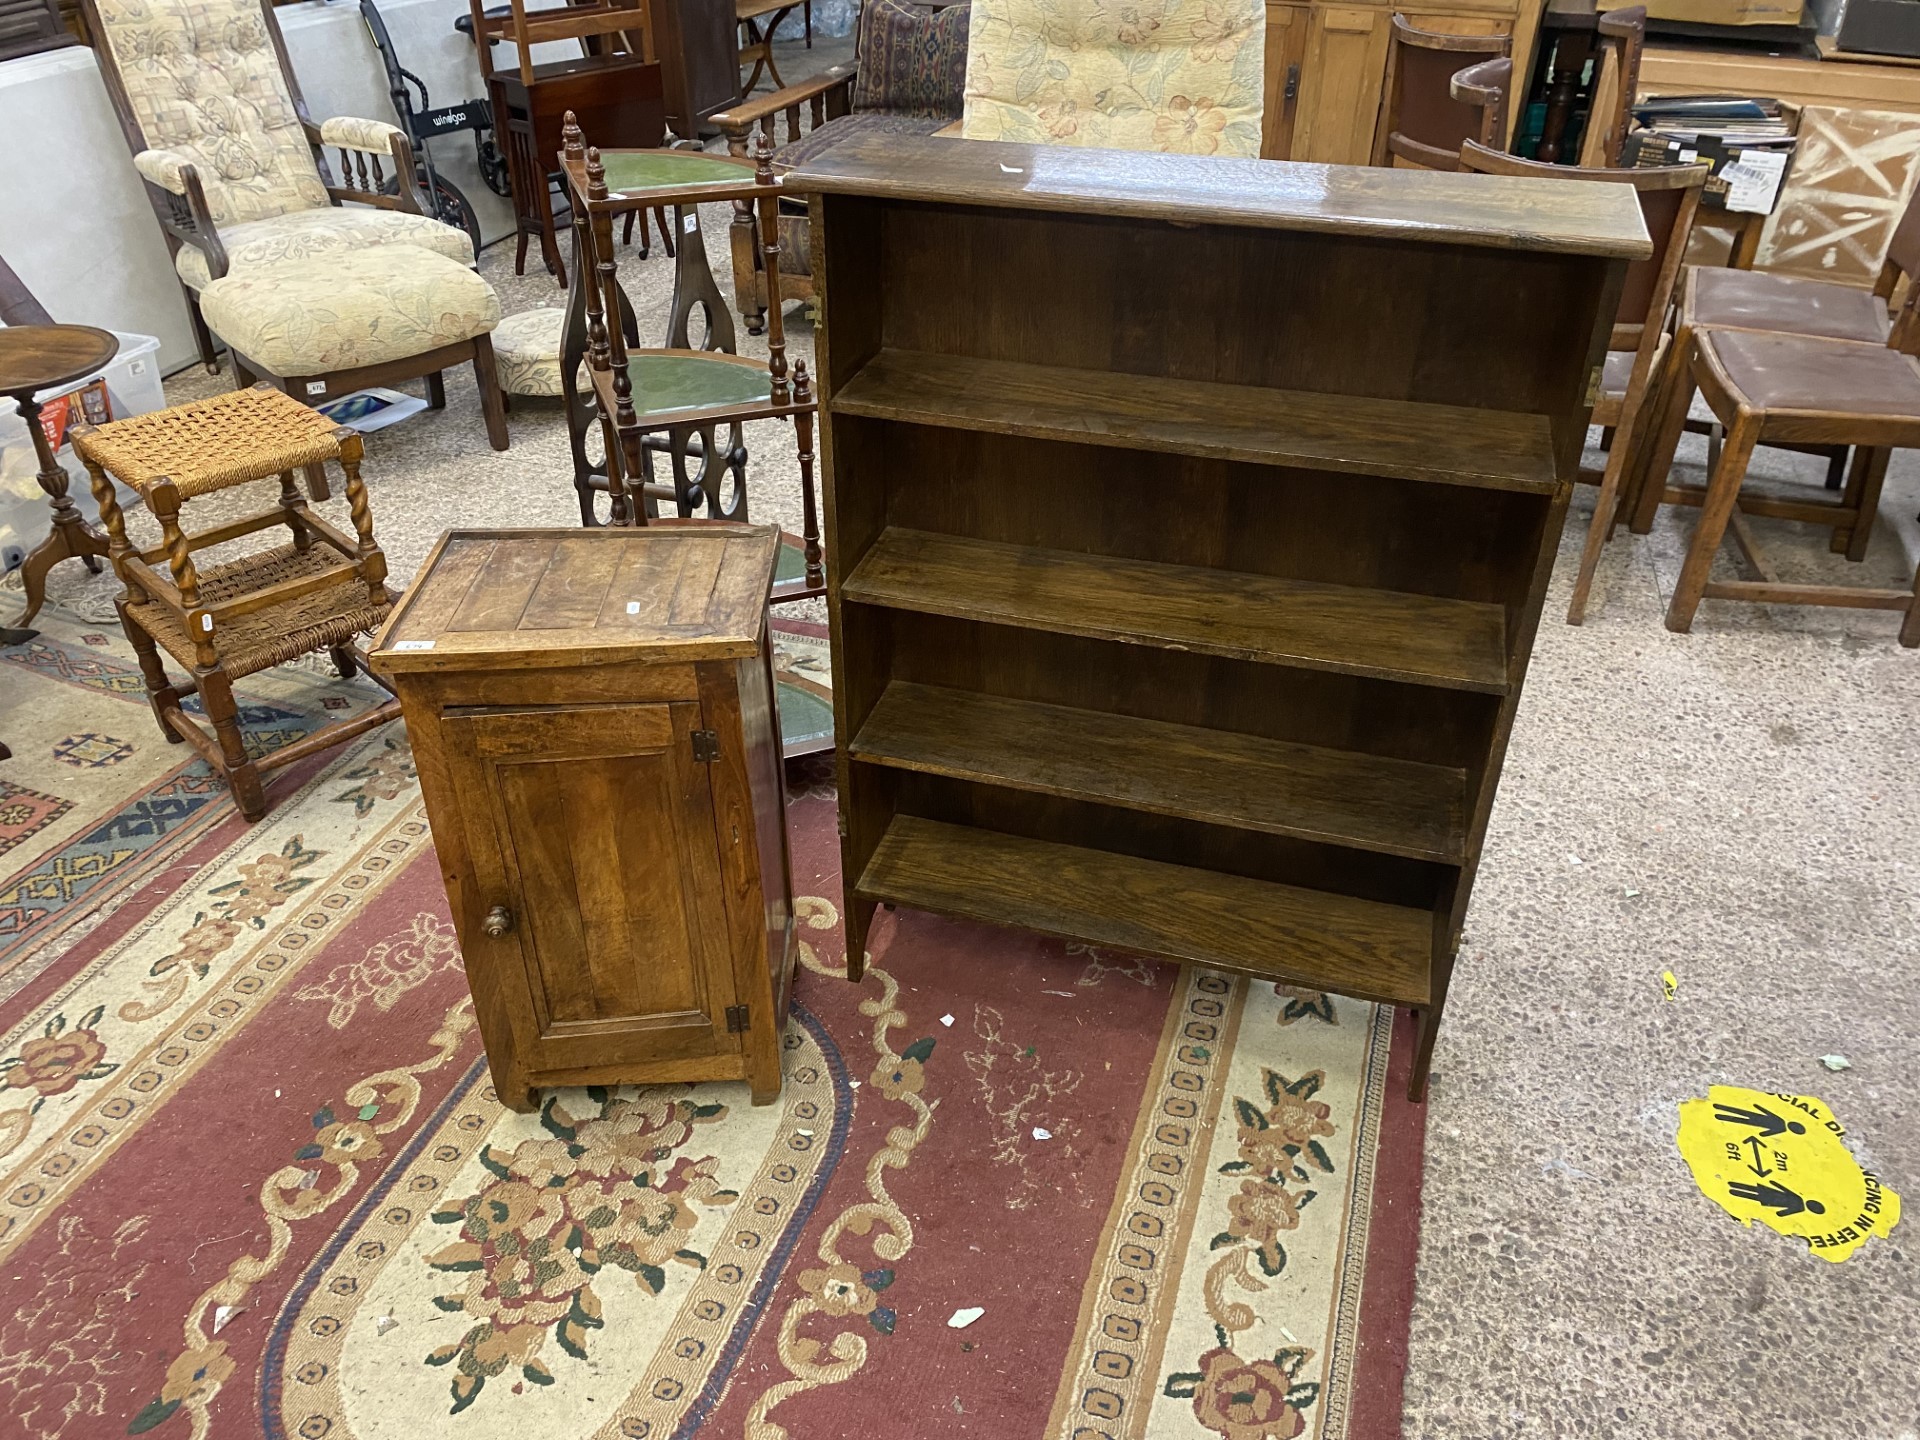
{"points": [[682, 382], [632, 170]]}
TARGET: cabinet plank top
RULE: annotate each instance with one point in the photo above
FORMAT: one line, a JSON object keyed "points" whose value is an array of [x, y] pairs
{"points": [[1499, 212], [583, 597]]}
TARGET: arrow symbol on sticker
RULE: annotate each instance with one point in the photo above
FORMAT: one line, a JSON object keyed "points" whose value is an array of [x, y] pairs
{"points": [[1755, 1165]]}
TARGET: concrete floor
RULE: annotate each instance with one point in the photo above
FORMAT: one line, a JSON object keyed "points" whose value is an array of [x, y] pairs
{"points": [[1738, 805]]}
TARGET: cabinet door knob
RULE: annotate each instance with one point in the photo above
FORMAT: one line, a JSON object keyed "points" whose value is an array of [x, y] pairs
{"points": [[498, 922]]}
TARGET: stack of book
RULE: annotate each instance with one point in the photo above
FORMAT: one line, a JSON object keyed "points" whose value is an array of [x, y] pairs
{"points": [[1748, 142]]}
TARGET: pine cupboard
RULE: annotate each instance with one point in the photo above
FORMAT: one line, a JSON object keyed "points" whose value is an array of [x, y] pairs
{"points": [[1188, 525], [1327, 62], [592, 717]]}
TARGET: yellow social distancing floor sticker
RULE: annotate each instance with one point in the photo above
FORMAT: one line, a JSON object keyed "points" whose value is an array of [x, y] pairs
{"points": [[1780, 1159]]}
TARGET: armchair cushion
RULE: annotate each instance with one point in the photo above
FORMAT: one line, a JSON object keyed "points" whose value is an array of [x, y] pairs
{"points": [[162, 167], [203, 80], [352, 133], [913, 61], [1180, 76], [348, 308], [303, 234]]}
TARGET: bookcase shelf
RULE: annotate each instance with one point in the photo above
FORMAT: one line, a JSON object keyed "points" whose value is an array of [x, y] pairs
{"points": [[1340, 433], [1171, 912], [1456, 644], [1222, 777], [1187, 539]]}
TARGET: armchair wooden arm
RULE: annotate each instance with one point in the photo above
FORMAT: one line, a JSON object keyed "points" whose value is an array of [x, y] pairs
{"points": [[363, 178], [170, 180], [826, 96]]}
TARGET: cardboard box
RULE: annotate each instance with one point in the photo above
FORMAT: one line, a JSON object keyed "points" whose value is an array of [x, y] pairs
{"points": [[1724, 12]]}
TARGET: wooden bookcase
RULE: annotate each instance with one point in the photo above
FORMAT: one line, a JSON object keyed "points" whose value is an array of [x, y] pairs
{"points": [[1188, 524]]}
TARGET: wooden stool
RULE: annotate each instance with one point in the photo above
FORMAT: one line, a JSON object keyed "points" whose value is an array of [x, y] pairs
{"points": [[1771, 388], [229, 620]]}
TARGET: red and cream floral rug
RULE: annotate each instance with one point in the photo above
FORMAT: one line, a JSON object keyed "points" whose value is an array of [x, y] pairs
{"points": [[253, 1180]]}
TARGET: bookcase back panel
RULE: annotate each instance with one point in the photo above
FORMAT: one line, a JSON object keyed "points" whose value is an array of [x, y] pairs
{"points": [[1405, 535], [1295, 311], [1310, 707], [1336, 870]]}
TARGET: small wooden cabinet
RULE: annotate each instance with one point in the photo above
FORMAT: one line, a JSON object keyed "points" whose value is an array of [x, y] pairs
{"points": [[1326, 65], [592, 718]]}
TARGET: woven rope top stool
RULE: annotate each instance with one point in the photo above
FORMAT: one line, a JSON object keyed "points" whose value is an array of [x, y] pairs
{"points": [[229, 620]]}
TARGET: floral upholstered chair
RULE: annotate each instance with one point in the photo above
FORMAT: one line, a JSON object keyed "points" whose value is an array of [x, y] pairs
{"points": [[232, 162], [1179, 76], [323, 288], [908, 75]]}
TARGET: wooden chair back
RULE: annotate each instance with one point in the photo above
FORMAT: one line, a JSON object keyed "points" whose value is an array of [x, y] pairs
{"points": [[1425, 123], [1623, 35], [602, 26], [1896, 283], [17, 303], [1485, 87], [1669, 199]]}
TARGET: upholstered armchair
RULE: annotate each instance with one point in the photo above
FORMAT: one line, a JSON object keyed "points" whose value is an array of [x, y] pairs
{"points": [[910, 64], [233, 163]]}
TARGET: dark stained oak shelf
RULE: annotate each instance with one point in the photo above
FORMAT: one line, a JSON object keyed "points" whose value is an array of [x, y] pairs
{"points": [[1221, 777], [1391, 635], [1503, 450], [1255, 450], [1172, 912]]}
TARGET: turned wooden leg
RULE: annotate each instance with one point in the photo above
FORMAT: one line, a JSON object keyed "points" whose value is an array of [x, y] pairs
{"points": [[71, 538], [1723, 493], [344, 661], [216, 698], [160, 690]]}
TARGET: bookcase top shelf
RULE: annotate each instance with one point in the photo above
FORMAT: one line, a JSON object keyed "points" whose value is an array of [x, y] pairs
{"points": [[1500, 212]]}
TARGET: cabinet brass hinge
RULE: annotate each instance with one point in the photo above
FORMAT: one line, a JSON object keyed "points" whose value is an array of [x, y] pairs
{"points": [[706, 746], [739, 1017]]}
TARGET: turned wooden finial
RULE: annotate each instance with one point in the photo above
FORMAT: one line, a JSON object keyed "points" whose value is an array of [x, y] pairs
{"points": [[571, 140], [802, 383], [596, 175], [762, 158]]}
